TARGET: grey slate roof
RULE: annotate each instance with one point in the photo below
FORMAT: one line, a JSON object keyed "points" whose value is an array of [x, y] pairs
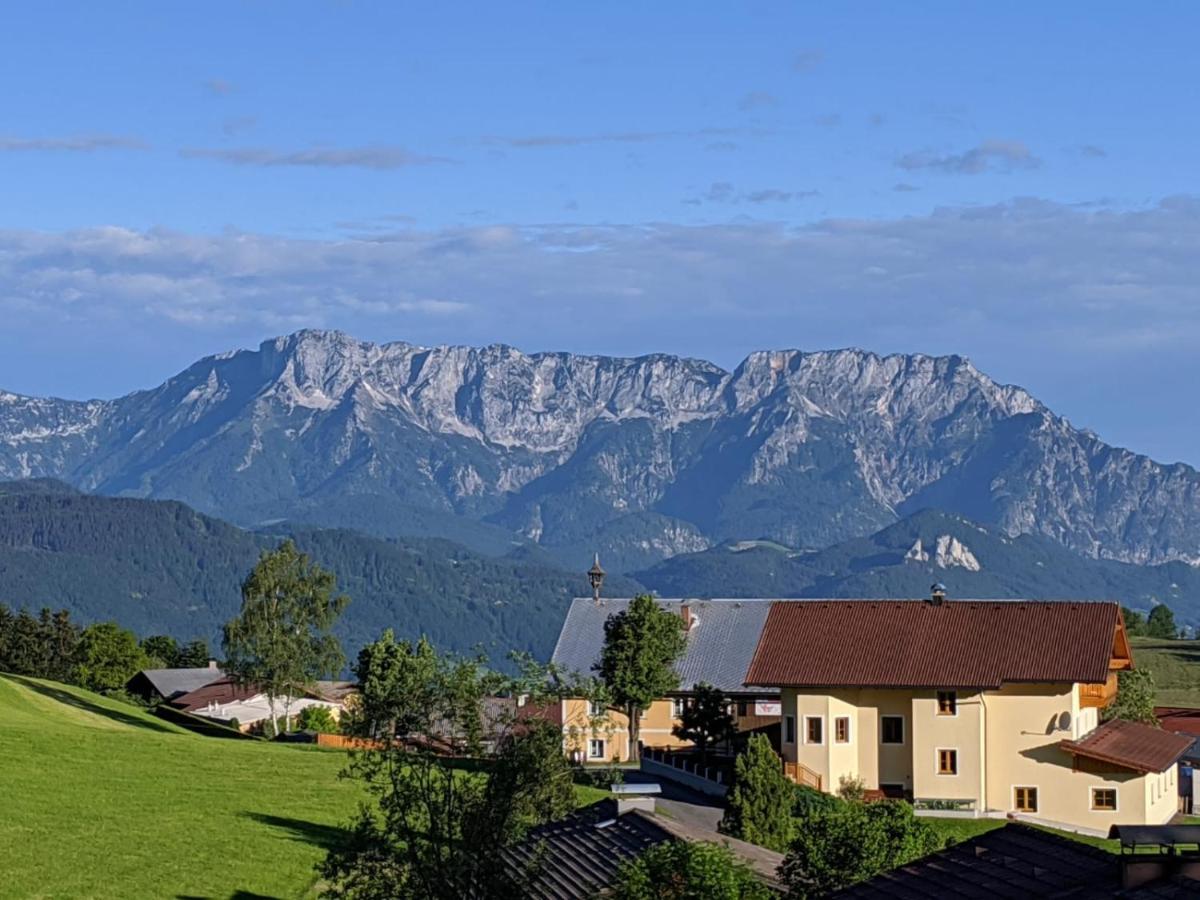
{"points": [[174, 682], [720, 643]]}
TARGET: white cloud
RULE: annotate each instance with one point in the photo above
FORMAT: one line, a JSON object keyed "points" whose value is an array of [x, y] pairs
{"points": [[379, 157], [989, 156], [82, 143]]}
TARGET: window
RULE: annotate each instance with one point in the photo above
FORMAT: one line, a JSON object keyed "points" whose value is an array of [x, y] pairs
{"points": [[677, 706], [841, 729], [596, 748], [947, 703], [789, 729], [1025, 799], [891, 729], [947, 762], [814, 730], [597, 708], [743, 708], [1104, 799]]}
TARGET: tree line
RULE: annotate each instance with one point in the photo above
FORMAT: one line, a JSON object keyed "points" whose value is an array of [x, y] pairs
{"points": [[100, 657]]}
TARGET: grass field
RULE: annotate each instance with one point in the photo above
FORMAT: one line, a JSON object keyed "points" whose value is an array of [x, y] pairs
{"points": [[98, 799], [1176, 668]]}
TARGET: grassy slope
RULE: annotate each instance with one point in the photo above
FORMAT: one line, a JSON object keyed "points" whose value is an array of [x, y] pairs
{"points": [[102, 800], [1176, 668]]}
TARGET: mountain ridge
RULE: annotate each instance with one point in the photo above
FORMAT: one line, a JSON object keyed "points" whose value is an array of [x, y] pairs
{"points": [[641, 457]]}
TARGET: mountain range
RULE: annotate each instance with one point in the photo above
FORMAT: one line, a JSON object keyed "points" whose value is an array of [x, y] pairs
{"points": [[642, 459]]}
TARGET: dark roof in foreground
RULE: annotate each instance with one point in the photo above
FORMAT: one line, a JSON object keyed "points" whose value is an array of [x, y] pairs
{"points": [[915, 643], [224, 690], [1014, 861], [1131, 745], [1155, 835], [577, 858], [172, 682], [720, 641]]}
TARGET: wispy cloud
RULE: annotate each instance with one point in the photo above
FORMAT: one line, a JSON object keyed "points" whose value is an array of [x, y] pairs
{"points": [[807, 60], [218, 87], [829, 120], [904, 188], [378, 157], [238, 124], [613, 137], [724, 192], [84, 143], [1091, 150], [757, 100], [989, 156]]}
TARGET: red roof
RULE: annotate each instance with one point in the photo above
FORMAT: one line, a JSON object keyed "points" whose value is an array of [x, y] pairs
{"points": [[1180, 719], [225, 690], [915, 643], [1131, 745]]}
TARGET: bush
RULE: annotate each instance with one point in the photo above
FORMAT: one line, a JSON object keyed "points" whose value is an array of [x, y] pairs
{"points": [[851, 788], [319, 719], [683, 870], [852, 842], [602, 777]]}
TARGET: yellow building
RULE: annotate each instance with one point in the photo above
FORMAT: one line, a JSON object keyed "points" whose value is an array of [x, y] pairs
{"points": [[721, 636], [973, 708]]}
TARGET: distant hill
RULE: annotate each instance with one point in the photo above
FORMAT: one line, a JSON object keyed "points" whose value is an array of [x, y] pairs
{"points": [[159, 566], [903, 559]]}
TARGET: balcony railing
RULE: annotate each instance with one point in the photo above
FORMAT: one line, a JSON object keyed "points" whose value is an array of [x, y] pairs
{"points": [[802, 774]]}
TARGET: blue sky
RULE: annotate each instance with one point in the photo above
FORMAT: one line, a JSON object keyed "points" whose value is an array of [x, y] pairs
{"points": [[1013, 182]]}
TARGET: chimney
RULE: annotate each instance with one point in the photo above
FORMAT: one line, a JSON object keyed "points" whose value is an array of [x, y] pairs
{"points": [[937, 594], [212, 664], [686, 611]]}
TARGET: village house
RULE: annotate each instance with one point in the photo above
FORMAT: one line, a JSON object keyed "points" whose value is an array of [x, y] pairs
{"points": [[978, 708], [721, 637]]}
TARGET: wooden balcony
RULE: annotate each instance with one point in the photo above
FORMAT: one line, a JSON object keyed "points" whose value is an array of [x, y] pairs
{"points": [[802, 774], [1098, 696]]}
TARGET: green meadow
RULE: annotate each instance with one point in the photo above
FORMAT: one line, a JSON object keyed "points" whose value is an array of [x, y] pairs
{"points": [[99, 799]]}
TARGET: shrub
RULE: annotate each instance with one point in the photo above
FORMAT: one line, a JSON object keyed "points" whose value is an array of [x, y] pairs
{"points": [[851, 788], [319, 719], [758, 809], [683, 870]]}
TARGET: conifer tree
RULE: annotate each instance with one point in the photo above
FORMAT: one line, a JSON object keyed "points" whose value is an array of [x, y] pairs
{"points": [[759, 806]]}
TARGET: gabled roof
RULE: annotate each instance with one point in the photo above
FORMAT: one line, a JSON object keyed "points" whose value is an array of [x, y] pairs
{"points": [[1131, 745], [171, 683], [915, 643], [223, 690], [577, 858], [720, 642], [1015, 861]]}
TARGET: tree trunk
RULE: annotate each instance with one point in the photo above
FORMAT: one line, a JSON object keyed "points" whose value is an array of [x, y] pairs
{"points": [[635, 728]]}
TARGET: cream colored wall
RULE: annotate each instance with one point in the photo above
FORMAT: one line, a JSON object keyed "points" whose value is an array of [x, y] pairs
{"points": [[579, 727], [962, 732], [863, 756], [1161, 793]]}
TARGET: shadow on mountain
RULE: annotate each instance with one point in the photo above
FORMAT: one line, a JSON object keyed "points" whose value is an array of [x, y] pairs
{"points": [[69, 699]]}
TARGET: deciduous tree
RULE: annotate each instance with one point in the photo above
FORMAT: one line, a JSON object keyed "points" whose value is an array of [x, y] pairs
{"points": [[1161, 623], [637, 664], [281, 640], [706, 719], [109, 656]]}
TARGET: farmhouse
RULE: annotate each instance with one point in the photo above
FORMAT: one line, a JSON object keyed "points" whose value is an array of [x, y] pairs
{"points": [[157, 685], [978, 708], [721, 636], [227, 702]]}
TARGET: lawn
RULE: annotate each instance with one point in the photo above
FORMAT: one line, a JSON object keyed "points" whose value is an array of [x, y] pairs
{"points": [[1176, 668], [99, 799]]}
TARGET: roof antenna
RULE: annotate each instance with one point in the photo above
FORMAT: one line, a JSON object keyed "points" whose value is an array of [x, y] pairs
{"points": [[596, 577]]}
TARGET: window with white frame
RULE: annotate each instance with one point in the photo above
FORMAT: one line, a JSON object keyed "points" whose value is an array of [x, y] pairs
{"points": [[814, 730], [677, 706], [1104, 799], [596, 748], [597, 708], [947, 703], [947, 761], [841, 729]]}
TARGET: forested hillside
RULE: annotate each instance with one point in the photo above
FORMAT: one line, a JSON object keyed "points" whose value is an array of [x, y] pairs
{"points": [[161, 567]]}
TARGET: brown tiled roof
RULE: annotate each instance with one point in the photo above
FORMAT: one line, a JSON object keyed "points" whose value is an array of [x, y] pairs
{"points": [[1182, 719], [914, 643], [224, 690], [1131, 745]]}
